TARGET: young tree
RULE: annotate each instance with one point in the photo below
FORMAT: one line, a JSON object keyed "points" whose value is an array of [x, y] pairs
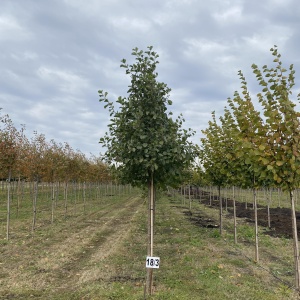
{"points": [[8, 157], [271, 145], [36, 159], [234, 169], [144, 144], [281, 149], [251, 133], [214, 162], [221, 156]]}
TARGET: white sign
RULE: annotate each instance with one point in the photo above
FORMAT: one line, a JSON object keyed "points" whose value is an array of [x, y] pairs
{"points": [[152, 262]]}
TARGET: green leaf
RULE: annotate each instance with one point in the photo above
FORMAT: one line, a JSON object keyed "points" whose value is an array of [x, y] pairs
{"points": [[248, 161]]}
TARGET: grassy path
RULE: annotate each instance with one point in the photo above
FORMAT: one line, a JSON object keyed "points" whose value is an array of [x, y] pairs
{"points": [[102, 256], [57, 262]]}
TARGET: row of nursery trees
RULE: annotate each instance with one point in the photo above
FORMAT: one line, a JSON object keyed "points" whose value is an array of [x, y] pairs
{"points": [[147, 147], [246, 147], [36, 159], [255, 148]]}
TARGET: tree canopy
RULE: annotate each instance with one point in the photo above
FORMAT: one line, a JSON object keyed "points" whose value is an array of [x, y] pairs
{"points": [[143, 139]]}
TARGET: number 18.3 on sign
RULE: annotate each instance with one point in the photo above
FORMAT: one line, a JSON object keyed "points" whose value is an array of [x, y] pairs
{"points": [[152, 262]]}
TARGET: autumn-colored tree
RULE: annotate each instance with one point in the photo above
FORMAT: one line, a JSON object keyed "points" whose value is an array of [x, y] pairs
{"points": [[8, 157]]}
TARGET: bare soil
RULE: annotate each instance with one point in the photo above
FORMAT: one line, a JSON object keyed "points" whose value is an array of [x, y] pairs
{"points": [[281, 224]]}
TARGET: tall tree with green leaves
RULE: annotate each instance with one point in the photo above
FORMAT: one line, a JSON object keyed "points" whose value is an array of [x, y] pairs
{"points": [[234, 169], [251, 133], [271, 145], [144, 144], [213, 160], [281, 147]]}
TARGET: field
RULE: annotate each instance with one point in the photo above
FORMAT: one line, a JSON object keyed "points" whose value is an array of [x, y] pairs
{"points": [[279, 210], [99, 253]]}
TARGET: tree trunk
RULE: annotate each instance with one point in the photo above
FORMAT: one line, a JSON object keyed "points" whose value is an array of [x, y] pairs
{"points": [[151, 215], [269, 201], [234, 215], [18, 196], [57, 192], [35, 194], [295, 237], [52, 202], [8, 204], [75, 187], [190, 200], [256, 224], [84, 197], [66, 198], [221, 210]]}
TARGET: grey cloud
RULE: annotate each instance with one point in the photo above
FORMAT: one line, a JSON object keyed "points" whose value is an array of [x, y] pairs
{"points": [[55, 57]]}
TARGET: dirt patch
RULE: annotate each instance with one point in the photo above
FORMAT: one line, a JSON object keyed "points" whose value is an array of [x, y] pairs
{"points": [[280, 218], [201, 220]]}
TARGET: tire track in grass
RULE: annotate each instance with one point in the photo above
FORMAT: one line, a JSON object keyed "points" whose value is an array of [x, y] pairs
{"points": [[91, 246], [65, 264], [109, 240]]}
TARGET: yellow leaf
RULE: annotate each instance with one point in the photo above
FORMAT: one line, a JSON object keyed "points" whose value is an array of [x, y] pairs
{"points": [[261, 147]]}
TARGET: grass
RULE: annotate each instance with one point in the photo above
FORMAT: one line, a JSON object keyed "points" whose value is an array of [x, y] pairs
{"points": [[101, 255], [232, 266], [196, 263]]}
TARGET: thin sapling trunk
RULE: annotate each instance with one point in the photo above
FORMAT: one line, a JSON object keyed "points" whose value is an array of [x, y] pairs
{"points": [[234, 215], [256, 224], [151, 212], [8, 204], [220, 210], [295, 238]]}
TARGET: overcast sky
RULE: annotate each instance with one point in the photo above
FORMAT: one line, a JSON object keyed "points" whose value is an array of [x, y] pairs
{"points": [[56, 54]]}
